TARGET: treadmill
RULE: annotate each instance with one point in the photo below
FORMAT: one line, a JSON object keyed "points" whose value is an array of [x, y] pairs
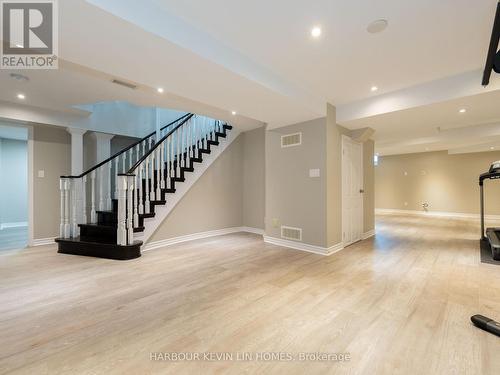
{"points": [[490, 239]]}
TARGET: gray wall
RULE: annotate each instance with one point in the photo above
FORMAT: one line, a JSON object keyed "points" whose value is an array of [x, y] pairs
{"points": [[313, 204], [254, 159], [14, 181], [292, 197]]}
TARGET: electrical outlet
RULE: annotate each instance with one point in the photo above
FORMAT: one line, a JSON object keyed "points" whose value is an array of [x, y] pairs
{"points": [[41, 174]]}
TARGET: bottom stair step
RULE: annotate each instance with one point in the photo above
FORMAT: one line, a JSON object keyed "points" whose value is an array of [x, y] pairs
{"points": [[75, 246]]}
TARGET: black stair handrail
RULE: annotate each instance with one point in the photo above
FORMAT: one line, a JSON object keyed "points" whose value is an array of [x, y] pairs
{"points": [[130, 172], [127, 148]]}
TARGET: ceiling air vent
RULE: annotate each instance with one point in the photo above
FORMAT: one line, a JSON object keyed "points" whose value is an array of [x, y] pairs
{"points": [[125, 84], [290, 233], [290, 140]]}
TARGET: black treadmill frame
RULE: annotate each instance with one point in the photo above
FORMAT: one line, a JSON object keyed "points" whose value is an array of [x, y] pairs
{"points": [[485, 176]]}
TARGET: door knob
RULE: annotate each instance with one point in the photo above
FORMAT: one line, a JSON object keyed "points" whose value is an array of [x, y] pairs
{"points": [[361, 191]]}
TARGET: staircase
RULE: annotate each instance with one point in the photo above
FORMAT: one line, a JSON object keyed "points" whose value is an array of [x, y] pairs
{"points": [[124, 191]]}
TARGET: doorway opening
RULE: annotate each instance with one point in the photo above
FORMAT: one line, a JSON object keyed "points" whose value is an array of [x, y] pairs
{"points": [[13, 187]]}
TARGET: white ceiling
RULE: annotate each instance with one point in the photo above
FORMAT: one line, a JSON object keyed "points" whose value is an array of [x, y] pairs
{"points": [[257, 57], [425, 40]]}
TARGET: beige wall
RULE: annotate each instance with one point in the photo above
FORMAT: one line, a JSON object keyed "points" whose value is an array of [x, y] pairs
{"points": [[368, 186], [447, 182], [254, 178], [214, 202], [52, 154]]}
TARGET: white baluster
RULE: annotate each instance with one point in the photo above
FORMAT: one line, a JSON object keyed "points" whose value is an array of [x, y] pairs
{"points": [[147, 187], [102, 198], [177, 135], [74, 193], [93, 213], [189, 144], [117, 161], [108, 185], [168, 141], [84, 200], [137, 152], [121, 234], [162, 165], [130, 153], [152, 184], [137, 196], [141, 205], [62, 189], [124, 161]]}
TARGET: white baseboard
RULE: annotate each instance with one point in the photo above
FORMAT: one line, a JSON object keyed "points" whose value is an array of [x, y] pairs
{"points": [[43, 241], [368, 234], [252, 230], [14, 225], [196, 236], [434, 213], [303, 246]]}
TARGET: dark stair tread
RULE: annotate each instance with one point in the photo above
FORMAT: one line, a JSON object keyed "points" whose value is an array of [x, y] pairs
{"points": [[219, 134], [215, 143], [107, 228], [144, 216], [178, 179], [159, 202], [139, 229], [76, 246]]}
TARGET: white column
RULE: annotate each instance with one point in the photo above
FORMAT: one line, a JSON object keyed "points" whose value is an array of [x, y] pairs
{"points": [[103, 146], [76, 150]]}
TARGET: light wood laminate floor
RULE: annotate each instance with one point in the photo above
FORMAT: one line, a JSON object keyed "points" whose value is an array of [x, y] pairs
{"points": [[398, 303]]}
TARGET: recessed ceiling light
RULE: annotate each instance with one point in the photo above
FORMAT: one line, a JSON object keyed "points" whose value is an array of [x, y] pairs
{"points": [[160, 90], [374, 88], [463, 110], [377, 26], [316, 32], [233, 113], [492, 148], [21, 96]]}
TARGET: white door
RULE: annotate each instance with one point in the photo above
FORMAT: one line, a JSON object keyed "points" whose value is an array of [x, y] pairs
{"points": [[352, 191]]}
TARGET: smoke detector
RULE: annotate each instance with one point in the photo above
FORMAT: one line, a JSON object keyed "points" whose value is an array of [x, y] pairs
{"points": [[377, 26]]}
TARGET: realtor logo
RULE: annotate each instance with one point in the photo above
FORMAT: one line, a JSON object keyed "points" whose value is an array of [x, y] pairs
{"points": [[29, 34]]}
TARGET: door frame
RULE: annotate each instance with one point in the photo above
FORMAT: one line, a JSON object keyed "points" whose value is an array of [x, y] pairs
{"points": [[346, 139]]}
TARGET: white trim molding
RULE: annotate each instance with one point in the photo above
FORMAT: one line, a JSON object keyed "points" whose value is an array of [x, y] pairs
{"points": [[200, 235], [303, 246], [368, 234], [14, 225], [43, 241], [391, 211]]}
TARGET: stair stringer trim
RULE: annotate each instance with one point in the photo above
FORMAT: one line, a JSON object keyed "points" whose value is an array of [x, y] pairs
{"points": [[162, 211]]}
